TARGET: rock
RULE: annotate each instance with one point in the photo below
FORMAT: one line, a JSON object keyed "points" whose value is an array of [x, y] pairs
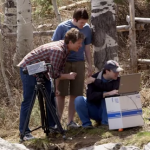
{"points": [[112, 146], [109, 146], [129, 148], [147, 147], [4, 145]]}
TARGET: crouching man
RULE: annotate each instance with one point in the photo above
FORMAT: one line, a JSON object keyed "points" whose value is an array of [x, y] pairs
{"points": [[100, 85]]}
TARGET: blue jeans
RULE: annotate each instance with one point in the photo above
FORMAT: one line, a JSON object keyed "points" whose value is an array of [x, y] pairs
{"points": [[29, 83], [87, 111]]}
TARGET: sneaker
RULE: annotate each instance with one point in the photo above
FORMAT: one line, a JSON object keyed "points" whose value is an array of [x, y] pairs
{"points": [[53, 130], [88, 127], [28, 136], [72, 124]]}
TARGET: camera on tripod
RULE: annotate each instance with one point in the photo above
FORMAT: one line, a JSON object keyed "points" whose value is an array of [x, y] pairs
{"points": [[46, 100], [37, 68]]}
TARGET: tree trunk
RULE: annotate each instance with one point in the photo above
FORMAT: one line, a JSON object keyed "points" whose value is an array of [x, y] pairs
{"points": [[8, 26], [104, 32], [3, 70], [58, 16], [24, 30]]}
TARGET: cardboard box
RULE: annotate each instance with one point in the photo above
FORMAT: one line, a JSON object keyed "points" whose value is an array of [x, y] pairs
{"points": [[124, 111]]}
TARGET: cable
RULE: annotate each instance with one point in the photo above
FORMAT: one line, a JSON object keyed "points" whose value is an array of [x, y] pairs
{"points": [[135, 105]]}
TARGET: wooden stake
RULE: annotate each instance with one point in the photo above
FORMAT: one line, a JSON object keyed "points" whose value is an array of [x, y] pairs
{"points": [[132, 37], [139, 19]]}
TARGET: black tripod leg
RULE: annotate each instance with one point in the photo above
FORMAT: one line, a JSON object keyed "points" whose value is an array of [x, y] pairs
{"points": [[52, 110], [44, 121], [28, 114]]}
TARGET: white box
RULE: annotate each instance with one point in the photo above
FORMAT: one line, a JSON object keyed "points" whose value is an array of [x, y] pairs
{"points": [[124, 111]]}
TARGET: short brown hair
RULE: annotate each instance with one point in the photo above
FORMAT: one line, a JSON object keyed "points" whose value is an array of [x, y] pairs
{"points": [[80, 13], [73, 35], [104, 70]]}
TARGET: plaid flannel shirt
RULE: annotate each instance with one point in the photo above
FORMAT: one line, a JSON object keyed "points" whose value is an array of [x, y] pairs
{"points": [[54, 53]]}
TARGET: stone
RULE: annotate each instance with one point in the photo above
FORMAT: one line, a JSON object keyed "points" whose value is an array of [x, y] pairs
{"points": [[5, 145], [147, 147], [109, 146], [129, 148]]}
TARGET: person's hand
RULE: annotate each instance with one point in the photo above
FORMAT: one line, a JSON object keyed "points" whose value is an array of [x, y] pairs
{"points": [[113, 92], [90, 80], [72, 75], [57, 93], [90, 71]]}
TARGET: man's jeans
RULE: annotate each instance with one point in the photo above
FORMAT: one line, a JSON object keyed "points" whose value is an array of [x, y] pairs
{"points": [[29, 83], [87, 111]]}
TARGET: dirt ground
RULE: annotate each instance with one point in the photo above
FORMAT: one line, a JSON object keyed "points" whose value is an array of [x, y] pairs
{"points": [[80, 138]]}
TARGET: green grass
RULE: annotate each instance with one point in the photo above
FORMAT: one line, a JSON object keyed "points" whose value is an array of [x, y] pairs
{"points": [[39, 144], [140, 139], [142, 134]]}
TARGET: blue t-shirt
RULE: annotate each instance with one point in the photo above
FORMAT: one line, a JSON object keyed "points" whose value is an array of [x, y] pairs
{"points": [[60, 32], [104, 80]]}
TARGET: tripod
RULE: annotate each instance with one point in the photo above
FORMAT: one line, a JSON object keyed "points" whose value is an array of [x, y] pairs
{"points": [[44, 100]]}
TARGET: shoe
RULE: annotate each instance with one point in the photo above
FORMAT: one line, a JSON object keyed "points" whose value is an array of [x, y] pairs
{"points": [[28, 136], [88, 127], [97, 123], [72, 124], [53, 130], [104, 125], [147, 119]]}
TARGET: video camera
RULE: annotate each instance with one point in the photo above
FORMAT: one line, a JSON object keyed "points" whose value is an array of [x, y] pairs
{"points": [[37, 68]]}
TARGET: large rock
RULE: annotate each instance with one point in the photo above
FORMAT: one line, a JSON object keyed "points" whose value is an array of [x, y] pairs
{"points": [[111, 146], [4, 145], [147, 147], [129, 148]]}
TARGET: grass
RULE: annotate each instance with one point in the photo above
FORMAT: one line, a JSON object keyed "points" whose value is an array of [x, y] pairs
{"points": [[39, 144], [133, 136], [140, 139], [137, 136]]}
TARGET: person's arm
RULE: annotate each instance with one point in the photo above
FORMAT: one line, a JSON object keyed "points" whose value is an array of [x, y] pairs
{"points": [[95, 96], [87, 42], [113, 92], [70, 76], [56, 60], [107, 86], [56, 87], [58, 34], [89, 59]]}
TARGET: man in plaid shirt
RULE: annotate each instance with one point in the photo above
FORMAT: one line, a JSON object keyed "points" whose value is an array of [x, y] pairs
{"points": [[56, 54]]}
